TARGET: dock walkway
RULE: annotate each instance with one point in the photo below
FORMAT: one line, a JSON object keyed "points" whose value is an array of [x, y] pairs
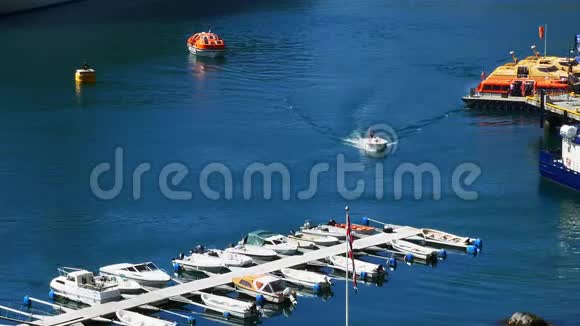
{"points": [[162, 295]]}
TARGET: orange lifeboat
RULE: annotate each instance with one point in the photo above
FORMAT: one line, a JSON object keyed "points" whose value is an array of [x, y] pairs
{"points": [[206, 44]]}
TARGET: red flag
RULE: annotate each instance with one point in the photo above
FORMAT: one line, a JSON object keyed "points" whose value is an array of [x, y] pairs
{"points": [[350, 251], [541, 32]]}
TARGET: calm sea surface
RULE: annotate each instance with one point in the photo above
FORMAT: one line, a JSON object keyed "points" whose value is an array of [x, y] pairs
{"points": [[300, 77]]}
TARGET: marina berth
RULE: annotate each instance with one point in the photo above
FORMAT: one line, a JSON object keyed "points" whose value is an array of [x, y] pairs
{"points": [[83, 286], [146, 274], [362, 267], [268, 240], [417, 251], [254, 252], [269, 287], [230, 259], [236, 308], [135, 319], [198, 262], [306, 278], [317, 240], [323, 231]]}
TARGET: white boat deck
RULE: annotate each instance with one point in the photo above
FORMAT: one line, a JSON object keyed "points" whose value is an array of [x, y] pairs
{"points": [[162, 295]]}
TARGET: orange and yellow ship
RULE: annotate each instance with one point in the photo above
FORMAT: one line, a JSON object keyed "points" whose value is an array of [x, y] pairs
{"points": [[206, 44], [526, 77]]}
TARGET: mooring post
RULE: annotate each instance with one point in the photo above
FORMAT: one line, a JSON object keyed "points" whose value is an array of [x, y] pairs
{"points": [[542, 104]]}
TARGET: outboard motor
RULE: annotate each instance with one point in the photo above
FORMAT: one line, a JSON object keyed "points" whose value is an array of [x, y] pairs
{"points": [[181, 256], [332, 222], [200, 249]]}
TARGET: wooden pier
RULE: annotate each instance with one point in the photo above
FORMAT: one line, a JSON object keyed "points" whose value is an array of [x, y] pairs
{"points": [[160, 296]]}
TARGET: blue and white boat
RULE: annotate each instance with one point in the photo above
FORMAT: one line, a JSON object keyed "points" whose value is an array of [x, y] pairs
{"points": [[563, 166]]}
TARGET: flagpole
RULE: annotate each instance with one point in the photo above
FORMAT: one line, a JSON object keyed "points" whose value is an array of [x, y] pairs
{"points": [[545, 39], [346, 257]]}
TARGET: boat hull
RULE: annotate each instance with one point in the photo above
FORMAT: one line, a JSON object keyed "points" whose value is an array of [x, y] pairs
{"points": [[84, 295], [553, 170], [215, 53]]}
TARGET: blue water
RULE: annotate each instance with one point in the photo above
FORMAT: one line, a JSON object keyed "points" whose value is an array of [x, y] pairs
{"points": [[300, 76]]}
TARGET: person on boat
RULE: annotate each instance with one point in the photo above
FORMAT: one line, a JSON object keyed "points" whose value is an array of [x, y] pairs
{"points": [[511, 89], [86, 66], [371, 135]]}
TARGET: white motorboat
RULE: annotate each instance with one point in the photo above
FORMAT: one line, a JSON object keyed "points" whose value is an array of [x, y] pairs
{"points": [[375, 144], [146, 274], [134, 319], [83, 286], [277, 242], [317, 240], [200, 262], [270, 287], [230, 259], [417, 250], [236, 308], [254, 252], [305, 278], [302, 244], [446, 239], [371, 270], [323, 231]]}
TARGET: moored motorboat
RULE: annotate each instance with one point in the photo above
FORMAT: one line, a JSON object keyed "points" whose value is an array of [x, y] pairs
{"points": [[206, 44], [254, 252], [436, 237], [305, 278], [323, 230], [276, 242], [370, 270], [198, 262], [317, 240], [357, 228], [134, 319], [146, 274], [271, 288], [236, 308], [83, 286], [230, 259], [406, 247]]}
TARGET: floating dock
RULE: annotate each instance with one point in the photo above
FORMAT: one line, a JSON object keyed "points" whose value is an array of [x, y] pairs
{"points": [[556, 109], [161, 296]]}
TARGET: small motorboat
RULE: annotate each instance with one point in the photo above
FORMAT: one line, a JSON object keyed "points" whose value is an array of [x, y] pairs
{"points": [[83, 286], [371, 270], [200, 263], [254, 252], [270, 287], [357, 228], [305, 278], [323, 231], [375, 144], [230, 259], [408, 247], [236, 308], [324, 241], [146, 274], [206, 44], [134, 319], [446, 239], [266, 239], [302, 244]]}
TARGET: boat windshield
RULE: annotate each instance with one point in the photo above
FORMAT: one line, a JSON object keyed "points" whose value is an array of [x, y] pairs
{"points": [[141, 268], [569, 63], [152, 267], [276, 286]]}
